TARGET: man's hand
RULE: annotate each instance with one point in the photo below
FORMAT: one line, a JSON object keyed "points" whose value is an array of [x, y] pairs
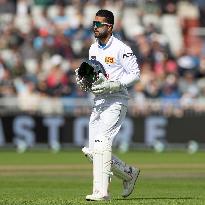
{"points": [[103, 86], [100, 80]]}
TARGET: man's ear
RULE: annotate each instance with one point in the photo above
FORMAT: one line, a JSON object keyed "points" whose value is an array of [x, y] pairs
{"points": [[110, 28]]}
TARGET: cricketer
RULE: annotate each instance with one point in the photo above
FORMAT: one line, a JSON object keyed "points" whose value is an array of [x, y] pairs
{"points": [[110, 107]]}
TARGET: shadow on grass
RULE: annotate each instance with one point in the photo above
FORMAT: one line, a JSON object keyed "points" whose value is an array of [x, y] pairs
{"points": [[158, 198]]}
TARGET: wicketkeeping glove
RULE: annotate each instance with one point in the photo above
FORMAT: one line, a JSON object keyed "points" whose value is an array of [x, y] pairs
{"points": [[104, 86], [80, 81], [88, 74]]}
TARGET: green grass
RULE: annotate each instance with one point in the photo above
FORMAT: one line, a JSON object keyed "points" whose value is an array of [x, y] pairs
{"points": [[65, 178]]}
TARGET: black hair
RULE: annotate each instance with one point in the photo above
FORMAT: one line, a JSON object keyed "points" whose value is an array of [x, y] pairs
{"points": [[107, 14]]}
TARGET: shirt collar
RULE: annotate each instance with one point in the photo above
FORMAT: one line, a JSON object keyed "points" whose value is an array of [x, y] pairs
{"points": [[107, 44]]}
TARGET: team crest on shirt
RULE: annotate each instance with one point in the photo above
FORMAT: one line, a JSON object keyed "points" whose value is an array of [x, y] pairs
{"points": [[109, 60]]}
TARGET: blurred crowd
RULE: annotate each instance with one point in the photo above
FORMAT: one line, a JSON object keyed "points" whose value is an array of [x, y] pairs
{"points": [[43, 42]]}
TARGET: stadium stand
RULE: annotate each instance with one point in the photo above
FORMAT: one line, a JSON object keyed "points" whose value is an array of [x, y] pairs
{"points": [[43, 42]]}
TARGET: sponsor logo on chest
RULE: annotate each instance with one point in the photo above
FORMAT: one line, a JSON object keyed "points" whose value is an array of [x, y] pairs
{"points": [[93, 57]]}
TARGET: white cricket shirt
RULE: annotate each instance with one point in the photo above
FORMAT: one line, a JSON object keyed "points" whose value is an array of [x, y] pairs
{"points": [[120, 64]]}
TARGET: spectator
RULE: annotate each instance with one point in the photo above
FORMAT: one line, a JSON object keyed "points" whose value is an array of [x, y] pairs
{"points": [[6, 84], [57, 80], [170, 92]]}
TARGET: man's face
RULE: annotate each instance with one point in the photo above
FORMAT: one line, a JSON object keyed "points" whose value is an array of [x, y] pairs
{"points": [[101, 28]]}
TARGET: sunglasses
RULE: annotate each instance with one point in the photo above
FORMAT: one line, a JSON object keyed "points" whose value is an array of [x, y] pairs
{"points": [[99, 24]]}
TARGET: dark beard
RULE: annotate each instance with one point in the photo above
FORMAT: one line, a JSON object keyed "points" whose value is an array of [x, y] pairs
{"points": [[102, 35]]}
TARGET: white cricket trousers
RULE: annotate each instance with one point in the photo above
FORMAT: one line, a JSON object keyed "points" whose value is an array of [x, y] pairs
{"points": [[104, 125], [105, 122]]}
